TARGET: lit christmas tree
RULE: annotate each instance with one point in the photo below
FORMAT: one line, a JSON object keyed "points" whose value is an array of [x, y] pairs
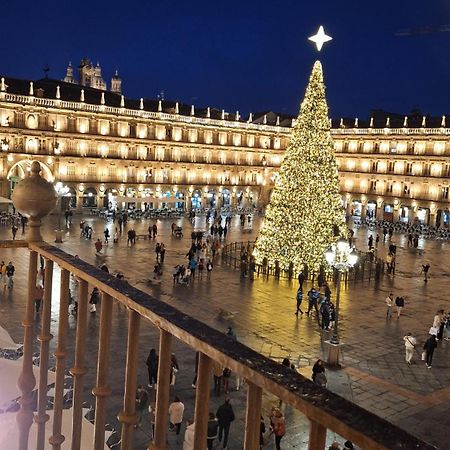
{"points": [[305, 214]]}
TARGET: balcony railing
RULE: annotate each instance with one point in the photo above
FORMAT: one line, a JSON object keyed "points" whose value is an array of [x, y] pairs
{"points": [[324, 409]]}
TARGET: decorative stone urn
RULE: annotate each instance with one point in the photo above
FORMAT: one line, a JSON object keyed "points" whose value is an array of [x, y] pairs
{"points": [[34, 197]]}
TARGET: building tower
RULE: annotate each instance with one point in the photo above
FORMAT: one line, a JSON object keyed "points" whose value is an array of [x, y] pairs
{"points": [[91, 76], [69, 74], [116, 83]]}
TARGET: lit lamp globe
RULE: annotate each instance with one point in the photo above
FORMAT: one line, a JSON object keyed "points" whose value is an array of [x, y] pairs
{"points": [[34, 197]]}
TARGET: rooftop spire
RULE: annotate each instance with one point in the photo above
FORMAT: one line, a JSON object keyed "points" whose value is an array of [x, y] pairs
{"points": [[265, 119], [424, 121], [250, 118], [208, 112], [58, 92], [141, 103], [177, 109], [405, 122], [442, 122], [356, 122], [31, 91], [388, 122], [223, 115], [192, 110], [371, 122], [160, 106], [122, 101], [278, 121], [238, 117]]}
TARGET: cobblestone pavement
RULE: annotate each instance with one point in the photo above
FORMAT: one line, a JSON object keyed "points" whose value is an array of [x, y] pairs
{"points": [[374, 373]]}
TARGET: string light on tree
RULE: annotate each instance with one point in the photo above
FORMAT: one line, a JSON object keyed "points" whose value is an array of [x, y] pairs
{"points": [[305, 214], [320, 38]]}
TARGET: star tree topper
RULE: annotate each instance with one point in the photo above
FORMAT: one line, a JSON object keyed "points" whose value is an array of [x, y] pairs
{"points": [[320, 38]]}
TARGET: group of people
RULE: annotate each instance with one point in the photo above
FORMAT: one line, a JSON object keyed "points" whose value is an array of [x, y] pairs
{"points": [[320, 302], [7, 274], [439, 330], [398, 303]]}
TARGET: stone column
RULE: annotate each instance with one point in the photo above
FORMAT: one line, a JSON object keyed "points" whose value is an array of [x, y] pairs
{"points": [[63, 324], [78, 371], [162, 391], [128, 416], [27, 380], [44, 338], [317, 436], [252, 417], [102, 390], [202, 400]]}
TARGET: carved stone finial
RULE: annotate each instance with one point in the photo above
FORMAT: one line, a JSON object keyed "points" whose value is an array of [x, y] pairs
{"points": [[34, 197]]}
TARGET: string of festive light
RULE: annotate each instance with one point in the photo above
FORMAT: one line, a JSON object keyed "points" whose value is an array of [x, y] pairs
{"points": [[305, 214]]}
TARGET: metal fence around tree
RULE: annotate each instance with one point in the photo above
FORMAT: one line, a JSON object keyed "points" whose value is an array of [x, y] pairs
{"points": [[237, 255]]}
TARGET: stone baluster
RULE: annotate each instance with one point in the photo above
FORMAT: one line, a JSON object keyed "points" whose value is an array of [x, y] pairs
{"points": [[317, 436], [162, 391], [44, 338], [252, 417], [78, 371], [27, 381], [60, 354], [128, 416], [202, 400], [102, 389]]}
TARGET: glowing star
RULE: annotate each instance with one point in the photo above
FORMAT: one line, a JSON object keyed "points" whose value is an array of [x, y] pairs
{"points": [[320, 38]]}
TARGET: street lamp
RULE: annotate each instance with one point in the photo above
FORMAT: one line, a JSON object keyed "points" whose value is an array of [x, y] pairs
{"points": [[341, 257], [61, 191]]}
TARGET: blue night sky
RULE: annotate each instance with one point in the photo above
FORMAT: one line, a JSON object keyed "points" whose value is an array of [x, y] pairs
{"points": [[241, 55]]}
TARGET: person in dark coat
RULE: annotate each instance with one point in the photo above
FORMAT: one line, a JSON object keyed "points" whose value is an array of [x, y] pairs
{"points": [[213, 426], [225, 415], [318, 367], [429, 346], [152, 366]]}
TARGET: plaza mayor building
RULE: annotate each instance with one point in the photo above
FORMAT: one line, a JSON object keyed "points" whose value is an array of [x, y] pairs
{"points": [[111, 151]]}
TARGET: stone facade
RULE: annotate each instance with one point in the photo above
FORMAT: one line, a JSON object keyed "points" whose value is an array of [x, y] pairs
{"points": [[168, 157]]}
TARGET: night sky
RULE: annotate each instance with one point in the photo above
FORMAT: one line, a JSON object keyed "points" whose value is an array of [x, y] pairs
{"points": [[242, 55]]}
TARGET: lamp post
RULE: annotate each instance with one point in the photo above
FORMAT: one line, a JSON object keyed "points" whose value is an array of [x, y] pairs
{"points": [[61, 191], [341, 257]]}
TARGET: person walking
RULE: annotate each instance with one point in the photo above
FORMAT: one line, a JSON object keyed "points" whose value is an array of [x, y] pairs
{"points": [[301, 279], [106, 233], [188, 443], [14, 229], [410, 345], [399, 304], [299, 299], [209, 268], [162, 252], [225, 415], [429, 346], [141, 403], [213, 427], [38, 296], [98, 246], [425, 270], [389, 304], [10, 269], [176, 411], [278, 425], [152, 367]]}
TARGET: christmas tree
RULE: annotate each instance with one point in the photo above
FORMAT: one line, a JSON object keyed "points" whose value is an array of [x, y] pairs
{"points": [[305, 214]]}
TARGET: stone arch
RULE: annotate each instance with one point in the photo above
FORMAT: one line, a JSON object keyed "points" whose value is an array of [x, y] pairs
{"points": [[20, 169]]}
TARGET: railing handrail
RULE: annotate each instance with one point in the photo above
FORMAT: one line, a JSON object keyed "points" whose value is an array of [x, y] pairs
{"points": [[330, 410]]}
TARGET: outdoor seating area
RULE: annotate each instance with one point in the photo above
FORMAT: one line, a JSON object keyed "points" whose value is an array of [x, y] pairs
{"points": [[426, 231]]}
